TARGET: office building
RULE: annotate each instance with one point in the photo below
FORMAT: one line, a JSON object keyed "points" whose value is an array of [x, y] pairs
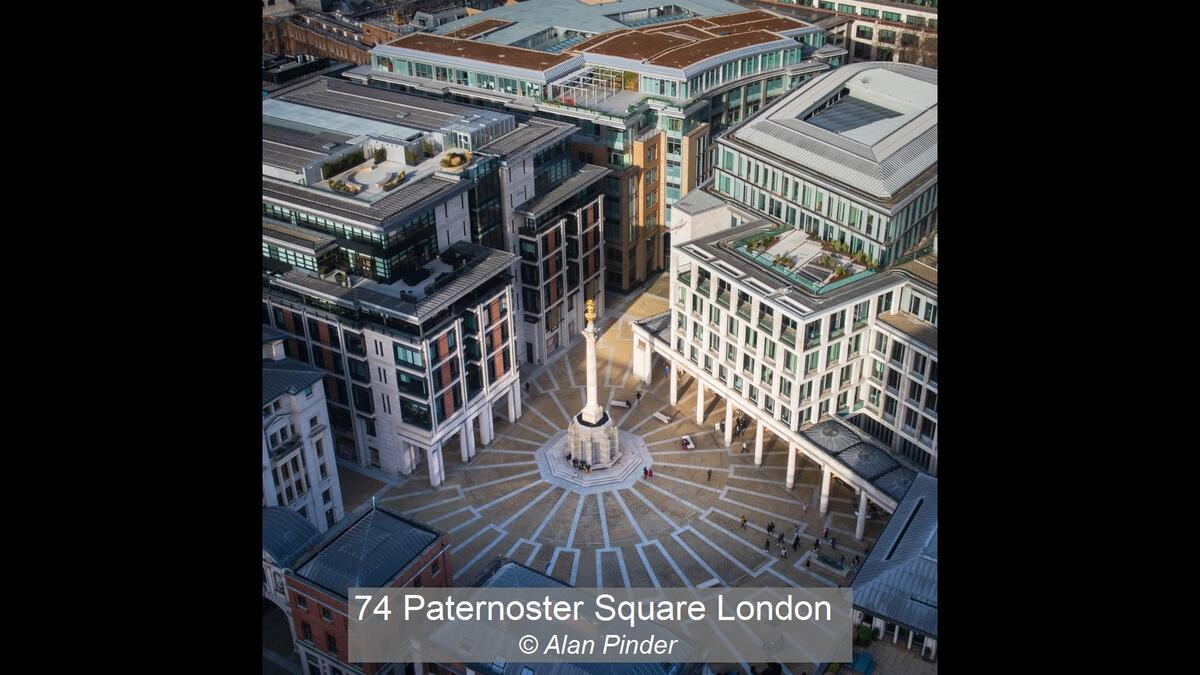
{"points": [[648, 85], [804, 288], [299, 469], [393, 228], [885, 30], [378, 549]]}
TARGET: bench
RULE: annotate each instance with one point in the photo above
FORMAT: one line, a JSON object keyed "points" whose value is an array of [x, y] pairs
{"points": [[619, 403], [662, 418]]}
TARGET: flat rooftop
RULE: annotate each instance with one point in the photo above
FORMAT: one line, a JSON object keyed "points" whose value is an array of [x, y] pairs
{"points": [[805, 284], [869, 126], [579, 180], [478, 28], [372, 103], [444, 284], [430, 190]]}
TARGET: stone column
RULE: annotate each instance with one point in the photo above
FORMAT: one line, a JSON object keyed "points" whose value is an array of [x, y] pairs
{"points": [[791, 469], [470, 437], [516, 389], [862, 515], [758, 442], [437, 471], [512, 405], [674, 384], [699, 401], [592, 412], [728, 421], [826, 474], [487, 425], [463, 432]]}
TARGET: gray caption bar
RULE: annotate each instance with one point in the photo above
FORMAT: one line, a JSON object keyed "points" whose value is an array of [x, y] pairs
{"points": [[625, 625]]}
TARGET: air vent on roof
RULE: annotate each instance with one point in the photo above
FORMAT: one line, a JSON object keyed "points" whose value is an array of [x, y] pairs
{"points": [[702, 253], [328, 146], [758, 285]]}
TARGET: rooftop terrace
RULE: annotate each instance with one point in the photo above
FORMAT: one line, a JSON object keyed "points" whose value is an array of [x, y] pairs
{"points": [[458, 271]]}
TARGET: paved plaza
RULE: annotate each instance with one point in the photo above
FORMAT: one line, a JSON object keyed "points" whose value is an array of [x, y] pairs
{"points": [[678, 529]]}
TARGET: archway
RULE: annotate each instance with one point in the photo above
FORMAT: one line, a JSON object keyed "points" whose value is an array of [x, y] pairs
{"points": [[279, 653]]}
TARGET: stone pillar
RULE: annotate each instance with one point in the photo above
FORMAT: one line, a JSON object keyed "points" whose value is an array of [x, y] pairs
{"points": [[470, 437], [862, 515], [728, 421], [674, 384], [826, 474], [487, 425], [437, 472], [463, 432], [791, 469], [758, 442], [699, 401], [512, 406], [517, 398]]}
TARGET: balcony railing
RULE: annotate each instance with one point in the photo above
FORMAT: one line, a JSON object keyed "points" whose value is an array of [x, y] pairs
{"points": [[812, 341], [788, 337], [723, 299], [859, 323], [685, 277], [743, 311], [703, 287], [766, 323]]}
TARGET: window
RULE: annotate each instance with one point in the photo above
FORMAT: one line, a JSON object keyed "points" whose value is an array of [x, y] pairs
{"points": [[301, 602], [331, 644], [329, 519], [308, 391], [789, 361], [326, 614], [810, 362], [914, 392], [435, 568], [326, 496], [918, 364], [884, 304], [897, 352], [306, 630], [833, 353], [914, 305], [881, 342], [313, 421], [826, 382]]}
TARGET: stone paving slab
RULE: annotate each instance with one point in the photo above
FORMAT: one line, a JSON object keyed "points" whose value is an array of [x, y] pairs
{"points": [[610, 570], [667, 578], [586, 574], [558, 528], [356, 488], [638, 576]]}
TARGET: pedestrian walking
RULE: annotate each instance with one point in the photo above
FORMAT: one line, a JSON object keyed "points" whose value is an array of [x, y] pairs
{"points": [[825, 532], [644, 472], [783, 552], [743, 522], [744, 450], [639, 396], [796, 543], [767, 545], [804, 510], [842, 561], [806, 561], [709, 475], [781, 538], [833, 543], [856, 561], [651, 474]]}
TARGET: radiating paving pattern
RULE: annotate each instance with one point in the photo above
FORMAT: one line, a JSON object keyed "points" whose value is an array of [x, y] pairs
{"points": [[682, 528]]}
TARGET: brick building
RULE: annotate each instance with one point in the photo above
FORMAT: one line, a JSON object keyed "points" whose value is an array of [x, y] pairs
{"points": [[378, 549]]}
